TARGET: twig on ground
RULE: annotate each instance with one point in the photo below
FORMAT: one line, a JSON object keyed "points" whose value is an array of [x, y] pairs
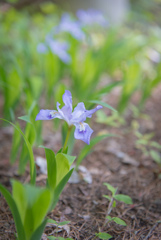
{"points": [[151, 230]]}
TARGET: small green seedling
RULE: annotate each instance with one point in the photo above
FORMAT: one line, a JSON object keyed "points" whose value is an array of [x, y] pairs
{"points": [[112, 203], [145, 143], [57, 224], [56, 230], [103, 235]]}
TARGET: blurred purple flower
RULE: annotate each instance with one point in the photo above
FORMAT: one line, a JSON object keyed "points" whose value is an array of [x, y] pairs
{"points": [[91, 17], [42, 48], [57, 47], [73, 27], [76, 118]]}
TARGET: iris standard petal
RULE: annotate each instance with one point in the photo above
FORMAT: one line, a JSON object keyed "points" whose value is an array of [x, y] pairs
{"points": [[80, 113], [79, 110], [83, 132], [64, 113], [47, 115], [67, 99], [66, 110]]}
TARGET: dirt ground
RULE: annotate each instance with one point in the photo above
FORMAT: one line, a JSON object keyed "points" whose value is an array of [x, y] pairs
{"points": [[114, 160]]}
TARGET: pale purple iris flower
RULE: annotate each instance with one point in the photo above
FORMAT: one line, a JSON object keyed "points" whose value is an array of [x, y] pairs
{"points": [[76, 117], [57, 47], [70, 26], [91, 17]]}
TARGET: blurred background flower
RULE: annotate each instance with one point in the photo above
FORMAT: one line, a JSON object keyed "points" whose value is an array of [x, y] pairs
{"points": [[57, 47]]}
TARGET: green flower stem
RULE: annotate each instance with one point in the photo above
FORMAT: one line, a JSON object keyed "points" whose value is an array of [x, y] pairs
{"points": [[67, 138]]}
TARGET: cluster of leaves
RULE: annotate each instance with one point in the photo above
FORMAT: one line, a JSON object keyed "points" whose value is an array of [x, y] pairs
{"points": [[26, 199]]}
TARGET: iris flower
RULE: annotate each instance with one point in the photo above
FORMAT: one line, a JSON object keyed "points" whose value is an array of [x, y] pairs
{"points": [[57, 47], [70, 26], [76, 118], [91, 17]]}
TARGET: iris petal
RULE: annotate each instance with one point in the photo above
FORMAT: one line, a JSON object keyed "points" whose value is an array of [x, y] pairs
{"points": [[67, 99], [90, 112], [80, 113], [66, 110], [47, 115], [83, 133], [77, 115]]}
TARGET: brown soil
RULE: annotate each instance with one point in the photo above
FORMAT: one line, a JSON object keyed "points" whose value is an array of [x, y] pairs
{"points": [[83, 204]]}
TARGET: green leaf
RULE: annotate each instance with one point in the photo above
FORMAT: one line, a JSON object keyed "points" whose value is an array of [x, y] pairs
{"points": [[32, 162], [63, 223], [16, 140], [20, 197], [30, 135], [60, 186], [132, 78], [103, 235], [65, 151], [51, 167], [119, 221], [12, 115], [109, 218], [39, 231], [123, 198], [103, 104], [110, 188], [25, 118], [69, 158], [59, 151], [15, 213], [108, 197], [13, 89], [36, 197], [155, 144], [155, 156], [44, 201], [87, 148], [62, 166], [52, 221], [23, 159], [142, 142], [57, 166], [108, 88], [36, 85]]}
